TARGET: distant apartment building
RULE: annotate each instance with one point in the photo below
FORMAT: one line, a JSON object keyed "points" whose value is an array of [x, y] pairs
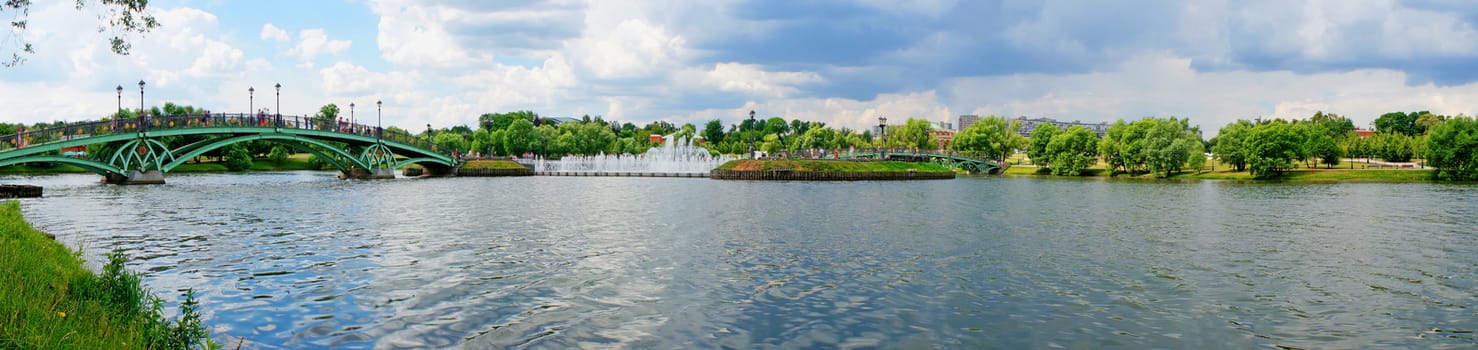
{"points": [[1030, 124], [967, 119]]}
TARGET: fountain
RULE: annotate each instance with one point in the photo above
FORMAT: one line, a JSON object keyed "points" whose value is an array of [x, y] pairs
{"points": [[676, 158]]}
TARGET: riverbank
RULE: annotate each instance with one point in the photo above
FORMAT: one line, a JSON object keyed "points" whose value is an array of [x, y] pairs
{"points": [[52, 301], [828, 170], [1315, 175]]}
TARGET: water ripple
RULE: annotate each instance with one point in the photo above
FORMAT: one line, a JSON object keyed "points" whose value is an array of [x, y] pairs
{"points": [[300, 259]]}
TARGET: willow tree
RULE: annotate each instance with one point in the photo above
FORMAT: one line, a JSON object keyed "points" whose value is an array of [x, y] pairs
{"points": [[993, 137], [121, 16], [1452, 147]]}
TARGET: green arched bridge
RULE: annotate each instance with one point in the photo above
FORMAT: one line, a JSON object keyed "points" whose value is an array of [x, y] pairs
{"points": [[133, 151]]}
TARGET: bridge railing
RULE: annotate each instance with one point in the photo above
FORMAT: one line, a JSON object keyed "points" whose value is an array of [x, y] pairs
{"points": [[35, 137]]}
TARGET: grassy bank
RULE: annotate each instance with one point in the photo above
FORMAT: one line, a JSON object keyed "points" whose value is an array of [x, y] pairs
{"points": [[829, 165], [48, 300], [489, 164]]}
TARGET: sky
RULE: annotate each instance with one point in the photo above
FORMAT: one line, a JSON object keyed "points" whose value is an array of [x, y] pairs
{"points": [[845, 63]]}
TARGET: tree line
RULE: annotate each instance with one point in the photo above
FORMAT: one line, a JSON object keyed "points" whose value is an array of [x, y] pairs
{"points": [[1266, 147]]}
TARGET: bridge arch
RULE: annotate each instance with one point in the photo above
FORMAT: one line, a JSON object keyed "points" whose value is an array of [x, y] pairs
{"points": [[291, 139], [90, 165]]}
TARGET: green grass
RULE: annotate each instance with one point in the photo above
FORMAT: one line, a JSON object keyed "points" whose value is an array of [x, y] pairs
{"points": [[34, 170], [492, 164], [48, 300], [829, 165]]}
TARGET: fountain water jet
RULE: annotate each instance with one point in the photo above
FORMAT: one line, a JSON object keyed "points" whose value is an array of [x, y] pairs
{"points": [[676, 157]]}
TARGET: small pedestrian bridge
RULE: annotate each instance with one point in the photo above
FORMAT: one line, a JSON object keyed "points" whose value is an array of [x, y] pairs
{"points": [[141, 150], [953, 161]]}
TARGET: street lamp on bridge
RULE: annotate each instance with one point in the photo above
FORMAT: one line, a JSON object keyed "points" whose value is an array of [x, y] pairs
{"points": [[251, 100], [120, 101], [379, 124], [141, 105], [279, 104], [351, 116]]}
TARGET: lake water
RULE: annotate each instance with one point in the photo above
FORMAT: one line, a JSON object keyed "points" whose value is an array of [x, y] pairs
{"points": [[301, 259]]}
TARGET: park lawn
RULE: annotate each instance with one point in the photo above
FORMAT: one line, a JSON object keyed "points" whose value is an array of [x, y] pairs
{"points": [[491, 164], [829, 165], [32, 170]]}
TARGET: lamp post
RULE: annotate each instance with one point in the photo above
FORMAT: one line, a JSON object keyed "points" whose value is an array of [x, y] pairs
{"points": [[379, 122], [751, 134], [251, 100], [882, 126], [351, 116], [279, 104], [141, 105], [120, 100]]}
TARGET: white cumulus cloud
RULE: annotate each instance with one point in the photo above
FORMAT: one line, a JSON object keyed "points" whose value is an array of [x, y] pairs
{"points": [[271, 32]]}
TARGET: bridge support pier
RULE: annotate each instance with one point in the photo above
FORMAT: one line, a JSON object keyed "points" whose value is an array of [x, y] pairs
{"points": [[135, 177], [362, 174]]}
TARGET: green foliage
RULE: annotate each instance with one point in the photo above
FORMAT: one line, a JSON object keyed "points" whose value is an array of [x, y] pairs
{"points": [[1229, 146], [1159, 146], [1036, 147], [713, 131], [1271, 148], [327, 115], [1319, 144], [1406, 123], [914, 134], [122, 16], [830, 165], [1452, 147], [1393, 147], [992, 136], [500, 121], [278, 154], [1071, 151], [237, 157], [450, 141], [53, 302], [520, 137]]}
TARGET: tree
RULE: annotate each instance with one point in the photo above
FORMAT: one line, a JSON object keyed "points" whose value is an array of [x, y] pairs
{"points": [[519, 137], [1402, 123], [687, 131], [1393, 147], [1319, 144], [1271, 148], [1452, 147], [914, 134], [713, 132], [500, 121], [123, 16], [1166, 146], [278, 154], [1036, 148], [1071, 151], [993, 137], [237, 157], [1229, 146], [327, 115], [450, 141]]}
